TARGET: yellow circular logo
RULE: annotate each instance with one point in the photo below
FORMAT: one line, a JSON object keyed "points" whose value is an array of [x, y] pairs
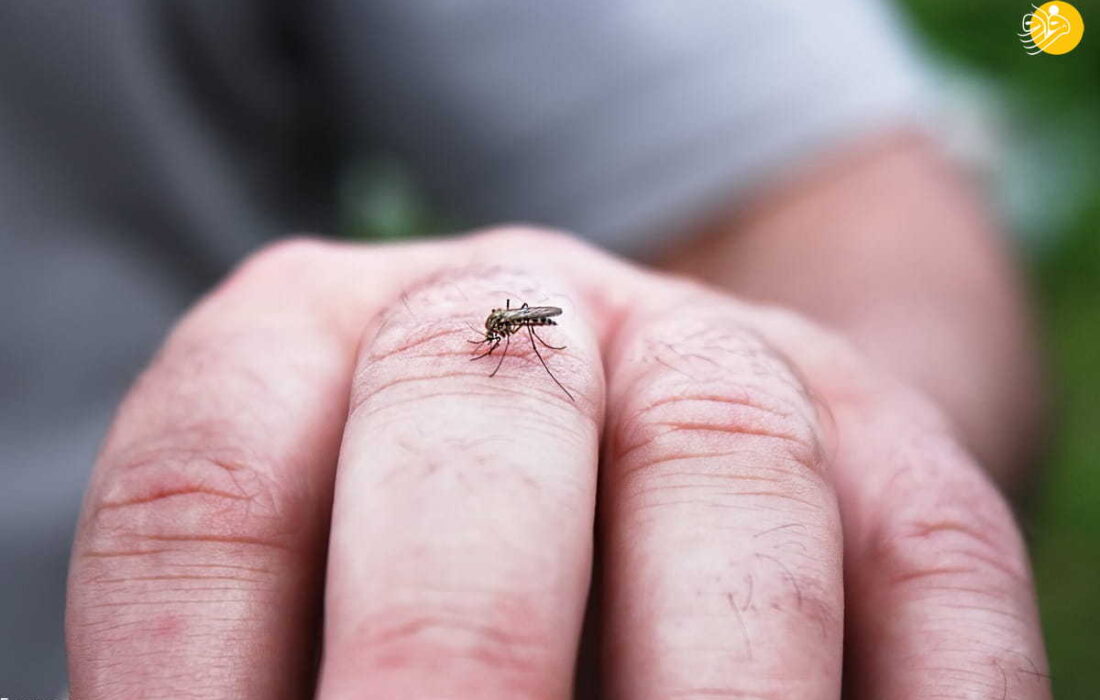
{"points": [[1054, 27]]}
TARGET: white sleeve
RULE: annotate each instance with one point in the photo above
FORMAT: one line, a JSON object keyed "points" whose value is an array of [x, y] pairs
{"points": [[625, 121]]}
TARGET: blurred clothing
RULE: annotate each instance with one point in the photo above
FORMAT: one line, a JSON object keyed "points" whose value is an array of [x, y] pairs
{"points": [[145, 147]]}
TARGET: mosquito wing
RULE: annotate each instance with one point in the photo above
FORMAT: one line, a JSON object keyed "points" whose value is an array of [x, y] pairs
{"points": [[531, 313]]}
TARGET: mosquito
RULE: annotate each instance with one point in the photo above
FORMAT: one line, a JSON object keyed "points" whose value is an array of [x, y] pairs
{"points": [[502, 324]]}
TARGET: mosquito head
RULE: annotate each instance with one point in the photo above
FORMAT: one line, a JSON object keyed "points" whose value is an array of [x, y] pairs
{"points": [[495, 318]]}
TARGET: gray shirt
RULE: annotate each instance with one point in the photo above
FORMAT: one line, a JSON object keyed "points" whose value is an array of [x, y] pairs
{"points": [[147, 146]]}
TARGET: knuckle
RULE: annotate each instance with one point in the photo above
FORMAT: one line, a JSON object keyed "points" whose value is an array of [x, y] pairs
{"points": [[169, 533], [713, 392], [497, 637], [201, 506], [957, 552], [944, 525], [418, 347]]}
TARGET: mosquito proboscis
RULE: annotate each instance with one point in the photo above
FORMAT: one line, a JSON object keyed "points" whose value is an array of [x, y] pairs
{"points": [[502, 324]]}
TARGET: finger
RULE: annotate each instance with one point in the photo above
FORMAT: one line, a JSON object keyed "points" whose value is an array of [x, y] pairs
{"points": [[721, 536], [940, 590], [199, 555], [461, 536], [917, 514], [939, 593]]}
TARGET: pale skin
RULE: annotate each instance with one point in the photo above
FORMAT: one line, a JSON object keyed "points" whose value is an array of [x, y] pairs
{"points": [[772, 502]]}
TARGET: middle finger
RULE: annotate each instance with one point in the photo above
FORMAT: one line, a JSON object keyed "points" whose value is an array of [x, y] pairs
{"points": [[461, 537]]}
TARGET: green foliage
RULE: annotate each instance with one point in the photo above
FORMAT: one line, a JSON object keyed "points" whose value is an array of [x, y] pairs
{"points": [[1066, 533], [381, 200]]}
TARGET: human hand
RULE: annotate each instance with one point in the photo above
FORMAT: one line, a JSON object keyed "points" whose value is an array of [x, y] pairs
{"points": [[769, 503]]}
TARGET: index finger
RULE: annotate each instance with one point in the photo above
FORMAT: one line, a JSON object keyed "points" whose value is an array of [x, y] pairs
{"points": [[198, 560]]}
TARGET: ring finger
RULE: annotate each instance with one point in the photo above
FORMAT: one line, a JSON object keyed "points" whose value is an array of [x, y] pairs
{"points": [[722, 536]]}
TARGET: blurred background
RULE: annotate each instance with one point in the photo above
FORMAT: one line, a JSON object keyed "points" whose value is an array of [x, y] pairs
{"points": [[1029, 127], [1045, 121], [1045, 116]]}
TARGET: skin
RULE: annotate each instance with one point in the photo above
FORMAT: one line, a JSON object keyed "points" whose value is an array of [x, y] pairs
{"points": [[311, 456], [888, 243]]}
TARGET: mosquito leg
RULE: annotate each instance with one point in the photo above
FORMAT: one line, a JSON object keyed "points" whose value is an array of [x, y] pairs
{"points": [[478, 333], [487, 352], [552, 347], [539, 354], [503, 355]]}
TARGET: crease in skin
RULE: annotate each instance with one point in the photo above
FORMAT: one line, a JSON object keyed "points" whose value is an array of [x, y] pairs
{"points": [[975, 547], [129, 627], [219, 539], [779, 528], [157, 476], [927, 529], [707, 503], [732, 426], [501, 391], [932, 590], [649, 465], [367, 393], [774, 494], [226, 545], [686, 426], [417, 342], [713, 483], [141, 586], [749, 417], [988, 609], [177, 565], [760, 408], [992, 562], [365, 397], [934, 572], [504, 394], [416, 626], [744, 399], [176, 577], [168, 493], [792, 452], [764, 351], [107, 554], [161, 602], [199, 589], [399, 642], [692, 481]]}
